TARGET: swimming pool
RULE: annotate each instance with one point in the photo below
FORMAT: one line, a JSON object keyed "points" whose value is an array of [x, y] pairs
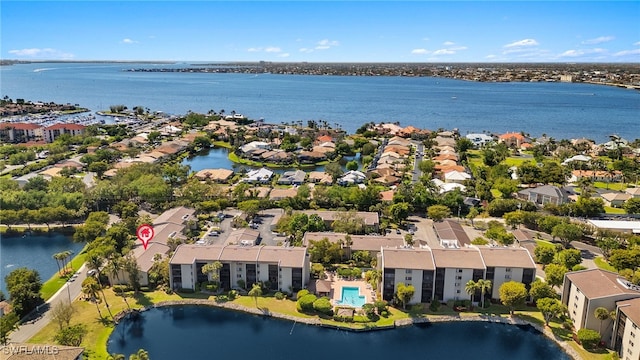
{"points": [[351, 296]]}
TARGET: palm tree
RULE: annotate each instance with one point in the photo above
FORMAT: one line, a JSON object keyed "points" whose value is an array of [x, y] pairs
{"points": [[115, 357], [66, 255], [114, 266], [90, 287], [471, 287], [256, 290], [57, 257], [212, 270], [94, 262], [484, 285], [602, 314], [142, 354]]}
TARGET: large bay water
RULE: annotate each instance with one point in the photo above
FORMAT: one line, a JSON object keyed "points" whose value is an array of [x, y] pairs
{"points": [[34, 252], [561, 110], [200, 332]]}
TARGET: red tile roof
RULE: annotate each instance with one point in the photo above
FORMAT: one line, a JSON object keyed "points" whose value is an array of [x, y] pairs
{"points": [[19, 126]]}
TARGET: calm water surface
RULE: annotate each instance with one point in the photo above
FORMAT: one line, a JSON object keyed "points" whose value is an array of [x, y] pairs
{"points": [[34, 252], [199, 332], [561, 110]]}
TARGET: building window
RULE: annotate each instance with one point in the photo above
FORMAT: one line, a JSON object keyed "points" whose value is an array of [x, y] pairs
{"points": [[576, 297], [631, 343], [408, 278], [408, 271], [458, 277], [457, 284], [239, 276], [239, 269], [633, 335], [507, 269], [459, 270], [457, 291], [507, 276]]}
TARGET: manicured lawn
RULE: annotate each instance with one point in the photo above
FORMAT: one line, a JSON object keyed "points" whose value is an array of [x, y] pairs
{"points": [[516, 160], [611, 186], [612, 210], [603, 264], [222, 144], [51, 286], [544, 243]]}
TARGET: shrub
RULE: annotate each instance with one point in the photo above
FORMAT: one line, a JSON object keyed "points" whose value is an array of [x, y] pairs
{"points": [[568, 324], [369, 310], [479, 241], [279, 296], [380, 305], [434, 306], [323, 306], [305, 303], [232, 295], [302, 293], [588, 338], [343, 318]]}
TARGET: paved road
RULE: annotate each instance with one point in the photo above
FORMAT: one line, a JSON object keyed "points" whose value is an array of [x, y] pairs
{"points": [[70, 290], [419, 153]]}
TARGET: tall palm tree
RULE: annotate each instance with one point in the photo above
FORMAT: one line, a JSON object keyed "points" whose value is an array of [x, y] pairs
{"points": [[484, 285], [213, 270], [142, 354], [116, 357], [471, 287], [602, 314], [114, 266], [90, 287], [65, 256], [94, 262], [57, 257]]}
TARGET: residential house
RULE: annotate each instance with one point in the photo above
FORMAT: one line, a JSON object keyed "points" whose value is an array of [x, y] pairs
{"points": [[512, 139], [615, 199], [295, 177], [280, 194], [320, 177], [245, 236], [369, 243], [542, 195], [352, 177], [585, 291], [255, 145], [281, 268], [479, 140], [261, 175], [217, 175], [507, 264], [633, 191], [456, 177], [616, 225]]}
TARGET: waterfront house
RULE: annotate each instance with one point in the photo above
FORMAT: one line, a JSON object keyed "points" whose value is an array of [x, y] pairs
{"points": [[320, 177], [479, 140], [352, 177], [216, 175], [585, 291], [512, 139], [282, 268], [261, 175]]}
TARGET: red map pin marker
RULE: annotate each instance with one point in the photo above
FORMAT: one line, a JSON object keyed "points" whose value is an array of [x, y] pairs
{"points": [[145, 234]]}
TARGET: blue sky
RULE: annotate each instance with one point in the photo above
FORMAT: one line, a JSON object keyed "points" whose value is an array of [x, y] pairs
{"points": [[322, 31]]}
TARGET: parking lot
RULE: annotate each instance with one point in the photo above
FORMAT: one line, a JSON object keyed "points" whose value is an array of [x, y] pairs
{"points": [[219, 233]]}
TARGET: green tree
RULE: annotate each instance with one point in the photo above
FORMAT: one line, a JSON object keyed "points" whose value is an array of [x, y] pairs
{"points": [[8, 323], [404, 293], [471, 287], [438, 212], [141, 354], [544, 254], [71, 336], [473, 213], [512, 294], [567, 233], [602, 314], [568, 258], [588, 338], [484, 286], [625, 259], [555, 274], [334, 170], [352, 165], [90, 288], [24, 290], [540, 289], [255, 292], [632, 206], [98, 167], [550, 308], [325, 252], [212, 270], [323, 306], [399, 212]]}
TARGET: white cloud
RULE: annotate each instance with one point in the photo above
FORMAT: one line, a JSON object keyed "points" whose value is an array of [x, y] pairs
{"points": [[46, 53], [491, 56], [273, 49], [326, 44], [426, 39], [254, 49], [598, 40], [575, 53], [283, 55], [128, 41], [627, 52], [636, 43], [306, 50], [444, 52], [448, 43], [420, 51], [521, 43]]}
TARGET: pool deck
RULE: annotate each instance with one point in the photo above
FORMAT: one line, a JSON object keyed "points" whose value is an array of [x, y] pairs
{"points": [[365, 289]]}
